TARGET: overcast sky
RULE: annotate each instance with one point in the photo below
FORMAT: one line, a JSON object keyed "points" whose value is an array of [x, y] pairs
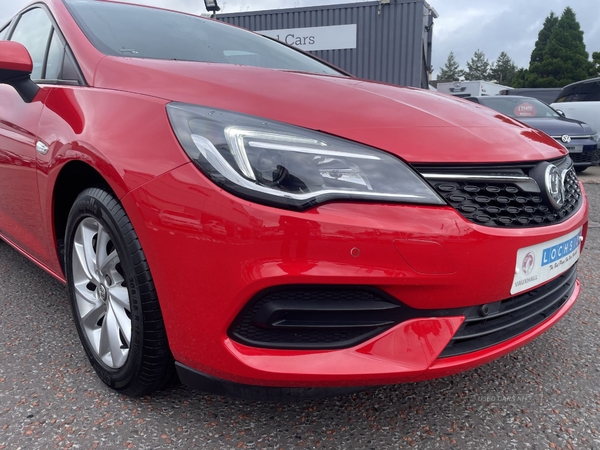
{"points": [[463, 26]]}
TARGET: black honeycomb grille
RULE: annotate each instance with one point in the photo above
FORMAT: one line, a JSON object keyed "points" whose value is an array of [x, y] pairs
{"points": [[511, 317], [507, 205], [315, 317], [591, 157]]}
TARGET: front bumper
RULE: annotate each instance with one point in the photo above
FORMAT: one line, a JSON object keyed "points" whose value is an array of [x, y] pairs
{"points": [[367, 356], [210, 253]]}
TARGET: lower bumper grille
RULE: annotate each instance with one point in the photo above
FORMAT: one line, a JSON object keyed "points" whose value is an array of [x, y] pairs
{"points": [[591, 157], [512, 317], [316, 317], [335, 317]]}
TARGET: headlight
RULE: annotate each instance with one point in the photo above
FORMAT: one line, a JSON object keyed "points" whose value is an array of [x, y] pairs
{"points": [[595, 137], [290, 167]]}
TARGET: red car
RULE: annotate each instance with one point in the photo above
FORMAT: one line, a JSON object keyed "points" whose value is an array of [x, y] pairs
{"points": [[225, 205]]}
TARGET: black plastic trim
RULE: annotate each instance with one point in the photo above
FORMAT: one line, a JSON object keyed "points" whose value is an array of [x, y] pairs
{"points": [[478, 332], [26, 88], [504, 204], [360, 320], [56, 29], [310, 325], [203, 382]]}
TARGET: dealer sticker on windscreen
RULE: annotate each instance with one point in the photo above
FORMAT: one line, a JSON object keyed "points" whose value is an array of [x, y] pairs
{"points": [[542, 262]]}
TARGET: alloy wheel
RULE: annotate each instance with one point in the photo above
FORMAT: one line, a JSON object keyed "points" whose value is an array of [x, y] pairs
{"points": [[102, 298]]}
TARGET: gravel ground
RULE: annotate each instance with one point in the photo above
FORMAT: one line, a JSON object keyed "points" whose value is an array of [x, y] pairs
{"points": [[544, 395]]}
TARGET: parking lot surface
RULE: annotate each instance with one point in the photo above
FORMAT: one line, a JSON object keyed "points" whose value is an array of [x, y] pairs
{"points": [[544, 395]]}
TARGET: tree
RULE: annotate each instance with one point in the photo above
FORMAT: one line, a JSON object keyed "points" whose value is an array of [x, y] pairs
{"points": [[564, 59], [596, 62], [451, 70], [543, 38], [520, 78], [478, 68], [503, 70]]}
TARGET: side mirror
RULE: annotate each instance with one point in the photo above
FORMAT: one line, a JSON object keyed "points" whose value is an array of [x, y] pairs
{"points": [[560, 113], [15, 69]]}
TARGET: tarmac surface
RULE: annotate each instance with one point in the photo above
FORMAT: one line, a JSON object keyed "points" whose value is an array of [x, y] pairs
{"points": [[544, 395]]}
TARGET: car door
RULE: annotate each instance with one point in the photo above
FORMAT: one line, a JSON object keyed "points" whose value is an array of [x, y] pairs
{"points": [[20, 210]]}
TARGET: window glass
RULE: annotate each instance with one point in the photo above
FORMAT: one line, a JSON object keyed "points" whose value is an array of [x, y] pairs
{"points": [[140, 32], [519, 107], [4, 32], [33, 31], [588, 91], [56, 55]]}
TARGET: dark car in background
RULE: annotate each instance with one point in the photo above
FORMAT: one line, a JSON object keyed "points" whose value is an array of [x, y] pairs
{"points": [[578, 137], [546, 95]]}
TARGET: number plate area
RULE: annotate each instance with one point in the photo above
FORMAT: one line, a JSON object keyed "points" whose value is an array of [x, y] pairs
{"points": [[541, 262], [574, 148]]}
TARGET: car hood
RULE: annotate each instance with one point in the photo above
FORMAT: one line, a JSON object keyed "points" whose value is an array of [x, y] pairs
{"points": [[419, 126], [559, 127]]}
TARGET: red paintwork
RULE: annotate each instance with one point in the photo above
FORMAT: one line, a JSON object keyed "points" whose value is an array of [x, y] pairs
{"points": [[401, 354], [417, 125], [175, 217], [14, 56], [210, 252]]}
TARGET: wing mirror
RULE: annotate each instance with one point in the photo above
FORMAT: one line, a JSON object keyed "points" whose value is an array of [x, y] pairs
{"points": [[15, 69]]}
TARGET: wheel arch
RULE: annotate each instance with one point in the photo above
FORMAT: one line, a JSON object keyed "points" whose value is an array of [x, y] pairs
{"points": [[74, 177]]}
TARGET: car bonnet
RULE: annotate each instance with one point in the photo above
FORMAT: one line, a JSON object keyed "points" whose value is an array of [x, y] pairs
{"points": [[419, 126]]}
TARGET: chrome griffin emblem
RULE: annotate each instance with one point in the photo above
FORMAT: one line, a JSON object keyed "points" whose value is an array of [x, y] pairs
{"points": [[565, 138], [551, 182], [555, 186]]}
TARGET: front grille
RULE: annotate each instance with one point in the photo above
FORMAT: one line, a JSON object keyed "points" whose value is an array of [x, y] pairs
{"points": [[511, 317], [503, 196], [335, 317], [591, 157]]}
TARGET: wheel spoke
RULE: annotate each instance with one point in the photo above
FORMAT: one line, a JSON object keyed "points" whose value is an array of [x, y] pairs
{"points": [[120, 296], [110, 260], [123, 321], [84, 249], [82, 262], [102, 240], [110, 342], [90, 319], [84, 293]]}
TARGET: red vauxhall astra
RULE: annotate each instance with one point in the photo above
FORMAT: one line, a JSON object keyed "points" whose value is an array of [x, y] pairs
{"points": [[233, 210]]}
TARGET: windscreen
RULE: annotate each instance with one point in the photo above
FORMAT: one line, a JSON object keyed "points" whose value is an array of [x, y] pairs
{"points": [[141, 32], [519, 107]]}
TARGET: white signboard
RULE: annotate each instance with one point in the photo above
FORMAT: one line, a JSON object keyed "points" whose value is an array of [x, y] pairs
{"points": [[336, 37]]}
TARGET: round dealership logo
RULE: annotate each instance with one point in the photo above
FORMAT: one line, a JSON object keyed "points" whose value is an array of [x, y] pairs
{"points": [[528, 263], [555, 186], [565, 138]]}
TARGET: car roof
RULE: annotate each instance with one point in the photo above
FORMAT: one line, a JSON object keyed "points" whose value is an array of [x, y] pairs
{"points": [[590, 80], [501, 96], [579, 87]]}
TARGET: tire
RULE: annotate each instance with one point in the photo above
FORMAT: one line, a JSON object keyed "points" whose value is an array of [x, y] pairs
{"points": [[113, 298], [580, 169]]}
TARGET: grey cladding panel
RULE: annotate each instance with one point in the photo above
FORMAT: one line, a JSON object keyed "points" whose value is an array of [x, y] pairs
{"points": [[393, 40]]}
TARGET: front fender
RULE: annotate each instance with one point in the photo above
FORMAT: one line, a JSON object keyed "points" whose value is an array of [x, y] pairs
{"points": [[126, 138]]}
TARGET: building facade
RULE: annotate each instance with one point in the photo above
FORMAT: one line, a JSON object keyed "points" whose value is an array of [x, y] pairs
{"points": [[387, 40]]}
